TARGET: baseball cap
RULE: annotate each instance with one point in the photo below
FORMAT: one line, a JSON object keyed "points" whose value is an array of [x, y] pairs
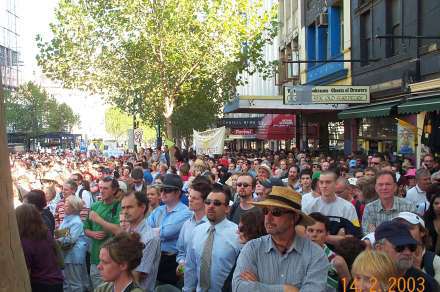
{"points": [[171, 180], [411, 218], [395, 232], [273, 181]]}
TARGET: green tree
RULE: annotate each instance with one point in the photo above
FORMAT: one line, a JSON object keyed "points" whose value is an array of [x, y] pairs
{"points": [[150, 58], [32, 110], [118, 123]]}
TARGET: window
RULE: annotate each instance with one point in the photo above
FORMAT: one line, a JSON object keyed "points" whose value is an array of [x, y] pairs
{"points": [[394, 27], [365, 38]]}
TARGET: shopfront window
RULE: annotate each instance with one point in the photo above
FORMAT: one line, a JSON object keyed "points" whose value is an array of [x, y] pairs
{"points": [[378, 135], [336, 135]]}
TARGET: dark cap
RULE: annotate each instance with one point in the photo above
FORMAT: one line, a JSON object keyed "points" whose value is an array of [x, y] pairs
{"points": [[271, 182], [396, 233], [171, 180], [137, 173]]}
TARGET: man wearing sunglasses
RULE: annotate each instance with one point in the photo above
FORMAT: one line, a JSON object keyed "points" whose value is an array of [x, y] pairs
{"points": [[167, 221], [215, 246], [245, 190], [282, 260], [394, 238]]}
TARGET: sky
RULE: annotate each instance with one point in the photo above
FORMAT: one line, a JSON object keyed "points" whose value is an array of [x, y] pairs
{"points": [[35, 16]]}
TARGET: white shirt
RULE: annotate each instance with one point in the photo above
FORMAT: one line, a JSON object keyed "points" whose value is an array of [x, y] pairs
{"points": [[338, 208], [418, 197], [86, 197], [306, 200]]}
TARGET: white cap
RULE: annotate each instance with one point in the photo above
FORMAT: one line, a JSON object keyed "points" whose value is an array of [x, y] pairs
{"points": [[123, 186], [352, 180], [370, 237], [411, 218]]}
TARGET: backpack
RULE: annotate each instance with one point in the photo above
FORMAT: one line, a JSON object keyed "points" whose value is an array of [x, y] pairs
{"points": [[428, 262]]}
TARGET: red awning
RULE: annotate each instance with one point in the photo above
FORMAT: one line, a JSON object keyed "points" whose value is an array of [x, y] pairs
{"points": [[277, 127]]}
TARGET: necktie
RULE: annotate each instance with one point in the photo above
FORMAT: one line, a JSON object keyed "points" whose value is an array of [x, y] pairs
{"points": [[205, 264]]}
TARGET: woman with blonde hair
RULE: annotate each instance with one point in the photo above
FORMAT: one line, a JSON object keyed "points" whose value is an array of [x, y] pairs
{"points": [[373, 271]]}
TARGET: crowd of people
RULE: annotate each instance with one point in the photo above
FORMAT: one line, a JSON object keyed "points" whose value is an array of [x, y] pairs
{"points": [[169, 220]]}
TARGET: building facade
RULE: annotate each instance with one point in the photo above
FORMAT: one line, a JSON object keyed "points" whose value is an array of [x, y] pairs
{"points": [[9, 43], [398, 45]]}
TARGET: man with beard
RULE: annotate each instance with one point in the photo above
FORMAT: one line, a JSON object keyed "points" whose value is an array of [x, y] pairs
{"points": [[292, 180], [395, 239], [245, 190], [214, 248], [281, 260]]}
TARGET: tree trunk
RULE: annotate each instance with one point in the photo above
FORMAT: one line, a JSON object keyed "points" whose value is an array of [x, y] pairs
{"points": [[169, 128], [14, 276]]}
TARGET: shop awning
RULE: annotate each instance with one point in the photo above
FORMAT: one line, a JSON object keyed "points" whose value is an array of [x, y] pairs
{"points": [[370, 111], [423, 104], [277, 127]]}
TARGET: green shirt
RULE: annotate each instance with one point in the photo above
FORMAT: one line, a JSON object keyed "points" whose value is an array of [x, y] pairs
{"points": [[109, 213]]}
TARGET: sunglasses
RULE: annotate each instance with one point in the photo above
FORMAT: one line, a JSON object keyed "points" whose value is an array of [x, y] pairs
{"points": [[168, 190], [276, 212], [411, 247], [245, 185], [216, 203]]}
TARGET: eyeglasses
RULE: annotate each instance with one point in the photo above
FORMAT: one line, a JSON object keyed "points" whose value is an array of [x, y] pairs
{"points": [[216, 203], [245, 185], [276, 212], [411, 247], [168, 190]]}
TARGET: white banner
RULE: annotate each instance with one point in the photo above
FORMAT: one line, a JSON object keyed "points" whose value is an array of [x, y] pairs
{"points": [[210, 141]]}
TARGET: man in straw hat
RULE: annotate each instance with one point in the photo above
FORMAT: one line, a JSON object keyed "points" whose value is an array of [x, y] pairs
{"points": [[281, 260]]}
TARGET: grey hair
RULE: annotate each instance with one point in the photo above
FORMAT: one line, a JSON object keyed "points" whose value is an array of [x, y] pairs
{"points": [[421, 172], [72, 184], [435, 177]]}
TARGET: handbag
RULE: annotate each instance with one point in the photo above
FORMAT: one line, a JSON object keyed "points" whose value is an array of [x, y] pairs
{"points": [[66, 244]]}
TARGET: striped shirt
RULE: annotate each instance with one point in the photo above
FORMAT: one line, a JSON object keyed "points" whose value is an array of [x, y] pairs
{"points": [[150, 256], [332, 276], [375, 214], [303, 266]]}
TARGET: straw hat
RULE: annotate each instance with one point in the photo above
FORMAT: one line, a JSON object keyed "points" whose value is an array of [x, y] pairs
{"points": [[284, 197], [265, 168]]}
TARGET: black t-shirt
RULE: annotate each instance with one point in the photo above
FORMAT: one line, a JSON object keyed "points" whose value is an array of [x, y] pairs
{"points": [[423, 281]]}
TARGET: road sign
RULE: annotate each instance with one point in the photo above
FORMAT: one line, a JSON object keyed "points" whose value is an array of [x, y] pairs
{"points": [[138, 133]]}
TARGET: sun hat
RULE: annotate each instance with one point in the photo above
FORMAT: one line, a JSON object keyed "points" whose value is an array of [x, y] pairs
{"points": [[265, 168], [411, 218], [395, 232], [284, 197]]}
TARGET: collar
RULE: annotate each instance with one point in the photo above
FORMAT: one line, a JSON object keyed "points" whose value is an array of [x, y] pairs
{"points": [[203, 220], [419, 190], [141, 226], [219, 225], [392, 208], [176, 208], [296, 245]]}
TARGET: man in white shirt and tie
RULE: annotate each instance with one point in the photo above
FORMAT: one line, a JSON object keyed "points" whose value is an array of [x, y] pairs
{"points": [[214, 248]]}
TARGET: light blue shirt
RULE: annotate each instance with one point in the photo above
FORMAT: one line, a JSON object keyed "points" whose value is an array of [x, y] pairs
{"points": [[77, 254], [185, 236], [225, 251], [169, 224]]}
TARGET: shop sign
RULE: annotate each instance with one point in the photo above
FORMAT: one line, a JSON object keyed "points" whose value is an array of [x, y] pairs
{"points": [[406, 138], [243, 132], [239, 122], [326, 94]]}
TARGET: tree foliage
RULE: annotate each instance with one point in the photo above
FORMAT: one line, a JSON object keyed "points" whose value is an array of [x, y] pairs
{"points": [[153, 58], [32, 110], [118, 123]]}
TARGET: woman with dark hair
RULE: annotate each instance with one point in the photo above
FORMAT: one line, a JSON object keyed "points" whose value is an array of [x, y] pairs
{"points": [[251, 226], [119, 256], [38, 199], [39, 250], [432, 217]]}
